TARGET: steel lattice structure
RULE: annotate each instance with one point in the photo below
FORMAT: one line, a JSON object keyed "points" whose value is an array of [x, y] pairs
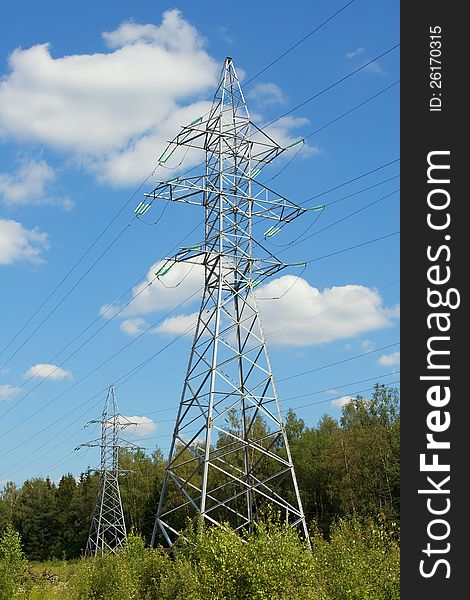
{"points": [[229, 455], [108, 528]]}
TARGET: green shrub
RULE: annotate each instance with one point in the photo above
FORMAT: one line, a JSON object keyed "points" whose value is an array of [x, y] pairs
{"points": [[359, 562], [13, 565], [268, 564]]}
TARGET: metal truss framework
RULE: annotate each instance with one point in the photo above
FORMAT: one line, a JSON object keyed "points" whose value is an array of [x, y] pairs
{"points": [[108, 529], [229, 455]]}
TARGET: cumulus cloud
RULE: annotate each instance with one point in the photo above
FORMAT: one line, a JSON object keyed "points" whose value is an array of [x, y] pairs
{"points": [[141, 426], [104, 104], [7, 391], [29, 185], [135, 160], [281, 132], [185, 324], [267, 94], [304, 315], [354, 53], [388, 360], [20, 244], [394, 311], [113, 111], [133, 326], [48, 371], [225, 34], [174, 287], [374, 67], [340, 402]]}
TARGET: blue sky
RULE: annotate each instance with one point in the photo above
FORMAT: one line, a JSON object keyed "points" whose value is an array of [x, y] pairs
{"points": [[89, 94]]}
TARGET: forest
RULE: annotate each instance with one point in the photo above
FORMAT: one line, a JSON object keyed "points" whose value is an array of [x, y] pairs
{"points": [[348, 475]]}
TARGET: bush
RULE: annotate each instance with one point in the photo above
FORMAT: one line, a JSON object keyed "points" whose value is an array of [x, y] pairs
{"points": [[360, 562], [269, 564], [13, 565], [133, 572]]}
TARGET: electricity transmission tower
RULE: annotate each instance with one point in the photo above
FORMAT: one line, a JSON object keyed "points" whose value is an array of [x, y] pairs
{"points": [[108, 529], [229, 456]]}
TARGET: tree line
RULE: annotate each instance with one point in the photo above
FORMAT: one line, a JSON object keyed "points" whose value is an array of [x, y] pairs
{"points": [[345, 468]]}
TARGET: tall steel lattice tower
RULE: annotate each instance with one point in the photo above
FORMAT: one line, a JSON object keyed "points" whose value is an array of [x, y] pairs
{"points": [[108, 529], [229, 455]]}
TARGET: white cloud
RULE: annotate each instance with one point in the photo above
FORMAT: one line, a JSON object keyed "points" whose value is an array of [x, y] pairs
{"points": [[225, 35], [7, 391], [20, 244], [267, 94], [180, 324], [340, 402], [304, 315], [113, 111], [48, 371], [281, 132], [142, 425], [104, 104], [134, 161], [28, 185], [388, 360], [354, 53], [374, 67], [174, 287], [133, 326], [394, 312]]}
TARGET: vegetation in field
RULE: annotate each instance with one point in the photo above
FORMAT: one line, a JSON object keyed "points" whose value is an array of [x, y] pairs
{"points": [[348, 475], [360, 561]]}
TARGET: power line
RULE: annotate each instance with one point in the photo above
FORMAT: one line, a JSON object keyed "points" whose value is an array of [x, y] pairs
{"points": [[341, 116], [382, 237], [80, 259], [62, 300], [97, 367], [91, 325], [338, 387], [288, 399], [347, 182], [335, 307], [302, 237], [368, 63], [339, 362], [79, 418], [356, 393], [322, 391], [132, 372], [344, 114], [340, 185], [122, 232], [318, 215], [281, 56], [123, 379], [295, 375]]}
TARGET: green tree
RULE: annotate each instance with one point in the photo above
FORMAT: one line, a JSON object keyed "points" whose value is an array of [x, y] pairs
{"points": [[66, 541], [13, 565], [36, 518], [8, 500]]}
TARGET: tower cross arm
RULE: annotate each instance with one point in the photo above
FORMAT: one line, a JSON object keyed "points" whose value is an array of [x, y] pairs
{"points": [[269, 204], [189, 191], [251, 198]]}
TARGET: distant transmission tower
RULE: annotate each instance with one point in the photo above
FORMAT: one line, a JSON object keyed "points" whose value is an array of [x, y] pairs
{"points": [[108, 529], [229, 455]]}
